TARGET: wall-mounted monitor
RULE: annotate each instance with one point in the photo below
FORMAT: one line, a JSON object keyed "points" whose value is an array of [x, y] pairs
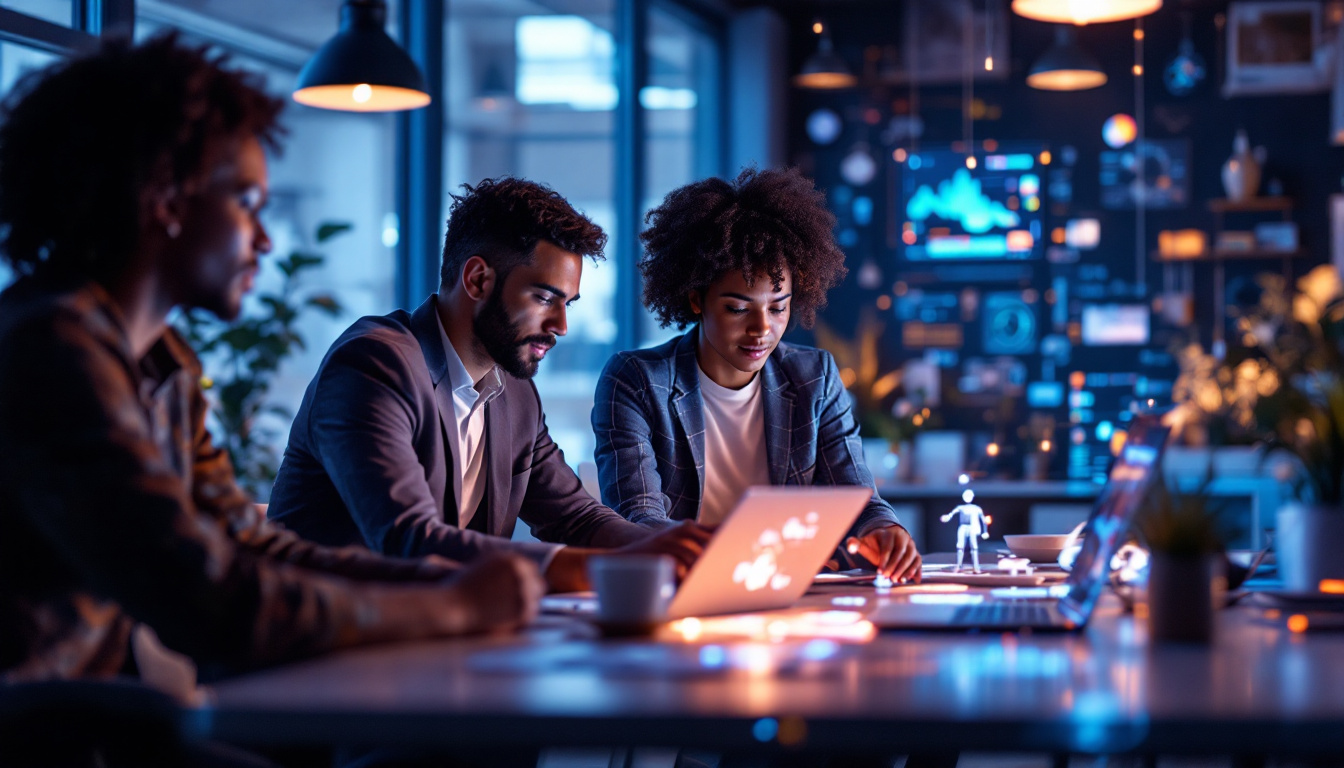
{"points": [[984, 208], [1112, 325]]}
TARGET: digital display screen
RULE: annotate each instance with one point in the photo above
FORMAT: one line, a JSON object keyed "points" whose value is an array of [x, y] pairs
{"points": [[1110, 325], [952, 211]]}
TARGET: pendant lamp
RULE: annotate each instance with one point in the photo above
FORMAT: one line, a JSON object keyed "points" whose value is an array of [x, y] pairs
{"points": [[361, 69], [1084, 11], [1066, 67], [825, 68]]}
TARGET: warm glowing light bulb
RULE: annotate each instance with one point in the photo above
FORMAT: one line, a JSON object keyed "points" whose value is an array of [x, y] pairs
{"points": [[1138, 34], [1297, 623], [816, 27], [1045, 446], [362, 93], [992, 449], [970, 161], [1138, 70], [1045, 157], [989, 63]]}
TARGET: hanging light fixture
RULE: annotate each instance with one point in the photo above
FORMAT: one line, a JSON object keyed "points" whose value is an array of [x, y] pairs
{"points": [[1084, 11], [825, 68], [361, 69], [1066, 67]]}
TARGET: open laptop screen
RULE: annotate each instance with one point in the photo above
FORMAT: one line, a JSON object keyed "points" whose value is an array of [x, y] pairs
{"points": [[1119, 502]]}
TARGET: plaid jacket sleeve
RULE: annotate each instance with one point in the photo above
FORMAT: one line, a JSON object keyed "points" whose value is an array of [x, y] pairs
{"points": [[626, 424]]}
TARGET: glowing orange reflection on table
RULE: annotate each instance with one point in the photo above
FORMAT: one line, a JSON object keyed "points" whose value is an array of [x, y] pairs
{"points": [[1332, 586]]}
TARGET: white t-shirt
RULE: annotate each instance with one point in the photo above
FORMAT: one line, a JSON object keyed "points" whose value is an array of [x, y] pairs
{"points": [[735, 456]]}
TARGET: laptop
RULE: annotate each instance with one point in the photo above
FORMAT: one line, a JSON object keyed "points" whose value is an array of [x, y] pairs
{"points": [[763, 556], [1130, 477]]}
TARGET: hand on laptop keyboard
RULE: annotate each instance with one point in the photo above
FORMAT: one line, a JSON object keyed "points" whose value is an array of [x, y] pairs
{"points": [[891, 550]]}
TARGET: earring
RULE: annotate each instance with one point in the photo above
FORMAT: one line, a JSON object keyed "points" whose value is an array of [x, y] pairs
{"points": [[174, 229]]}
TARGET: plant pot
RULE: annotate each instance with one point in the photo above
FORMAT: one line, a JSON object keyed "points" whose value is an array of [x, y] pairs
{"points": [[1184, 595], [904, 454], [1309, 544]]}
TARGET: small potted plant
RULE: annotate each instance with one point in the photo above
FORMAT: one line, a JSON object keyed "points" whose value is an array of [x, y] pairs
{"points": [[1186, 566]]}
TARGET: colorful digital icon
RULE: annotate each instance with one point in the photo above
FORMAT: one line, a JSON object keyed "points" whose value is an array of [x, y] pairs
{"points": [[1119, 130]]}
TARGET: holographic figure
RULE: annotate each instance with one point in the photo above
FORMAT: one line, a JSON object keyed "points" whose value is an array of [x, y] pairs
{"points": [[972, 523]]}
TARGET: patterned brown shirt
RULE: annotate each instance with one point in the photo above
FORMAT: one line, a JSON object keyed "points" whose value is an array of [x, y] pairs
{"points": [[116, 507]]}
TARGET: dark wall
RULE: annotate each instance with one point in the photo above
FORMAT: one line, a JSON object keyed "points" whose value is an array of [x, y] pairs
{"points": [[1293, 129]]}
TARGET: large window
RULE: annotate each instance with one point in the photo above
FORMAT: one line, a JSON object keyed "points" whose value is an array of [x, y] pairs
{"points": [[681, 114], [532, 92], [15, 62]]}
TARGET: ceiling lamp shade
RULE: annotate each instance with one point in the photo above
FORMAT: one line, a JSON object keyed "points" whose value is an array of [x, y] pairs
{"points": [[825, 69], [1066, 67], [1084, 11], [361, 69]]}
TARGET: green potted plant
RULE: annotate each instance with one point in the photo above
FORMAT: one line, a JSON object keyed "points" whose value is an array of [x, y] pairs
{"points": [[1186, 565], [879, 405], [1301, 415], [241, 360]]}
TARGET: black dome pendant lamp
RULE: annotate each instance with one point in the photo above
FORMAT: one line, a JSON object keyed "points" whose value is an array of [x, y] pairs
{"points": [[361, 69]]}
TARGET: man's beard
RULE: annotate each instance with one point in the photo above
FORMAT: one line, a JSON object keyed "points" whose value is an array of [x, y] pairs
{"points": [[501, 341]]}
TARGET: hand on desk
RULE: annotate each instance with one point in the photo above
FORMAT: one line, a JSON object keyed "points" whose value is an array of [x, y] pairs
{"points": [[891, 550], [499, 592], [568, 571]]}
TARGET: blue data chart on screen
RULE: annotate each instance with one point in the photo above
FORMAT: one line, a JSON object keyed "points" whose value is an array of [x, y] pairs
{"points": [[988, 207]]}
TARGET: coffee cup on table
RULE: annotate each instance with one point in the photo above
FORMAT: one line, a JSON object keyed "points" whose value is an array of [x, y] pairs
{"points": [[633, 591]]}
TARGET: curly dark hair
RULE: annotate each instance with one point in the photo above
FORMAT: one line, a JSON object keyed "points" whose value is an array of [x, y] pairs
{"points": [[83, 139], [761, 223], [502, 220]]}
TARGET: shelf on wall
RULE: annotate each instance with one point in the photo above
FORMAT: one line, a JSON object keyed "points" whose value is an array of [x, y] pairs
{"points": [[1219, 255], [1251, 204]]}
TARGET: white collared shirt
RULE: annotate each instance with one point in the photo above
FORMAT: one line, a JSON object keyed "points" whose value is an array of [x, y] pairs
{"points": [[468, 428]]}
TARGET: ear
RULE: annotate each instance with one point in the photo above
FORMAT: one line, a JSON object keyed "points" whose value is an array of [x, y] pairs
{"points": [[164, 209], [694, 298], [478, 278]]}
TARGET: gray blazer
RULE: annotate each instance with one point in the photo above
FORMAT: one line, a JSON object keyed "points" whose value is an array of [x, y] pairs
{"points": [[369, 459], [649, 418]]}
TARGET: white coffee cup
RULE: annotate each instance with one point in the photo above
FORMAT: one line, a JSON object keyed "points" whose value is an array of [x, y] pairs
{"points": [[633, 591]]}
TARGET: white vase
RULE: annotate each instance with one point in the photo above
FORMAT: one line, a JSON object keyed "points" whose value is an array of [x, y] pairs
{"points": [[1309, 544], [1241, 172], [1184, 595]]}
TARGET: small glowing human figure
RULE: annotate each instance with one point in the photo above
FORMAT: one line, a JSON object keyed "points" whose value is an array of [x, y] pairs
{"points": [[972, 523]]}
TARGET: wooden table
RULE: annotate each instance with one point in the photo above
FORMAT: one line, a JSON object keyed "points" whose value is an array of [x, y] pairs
{"points": [[1259, 689]]}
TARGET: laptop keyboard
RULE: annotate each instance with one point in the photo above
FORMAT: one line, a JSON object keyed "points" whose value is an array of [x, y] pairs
{"points": [[1004, 615]]}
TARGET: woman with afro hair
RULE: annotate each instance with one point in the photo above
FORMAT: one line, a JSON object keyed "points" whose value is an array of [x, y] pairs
{"points": [[683, 429]]}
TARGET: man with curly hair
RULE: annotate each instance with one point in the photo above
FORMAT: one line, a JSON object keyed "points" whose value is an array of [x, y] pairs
{"points": [[132, 182], [684, 428], [422, 432]]}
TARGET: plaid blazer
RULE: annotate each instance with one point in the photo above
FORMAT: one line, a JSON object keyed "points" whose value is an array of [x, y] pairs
{"points": [[649, 418]]}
